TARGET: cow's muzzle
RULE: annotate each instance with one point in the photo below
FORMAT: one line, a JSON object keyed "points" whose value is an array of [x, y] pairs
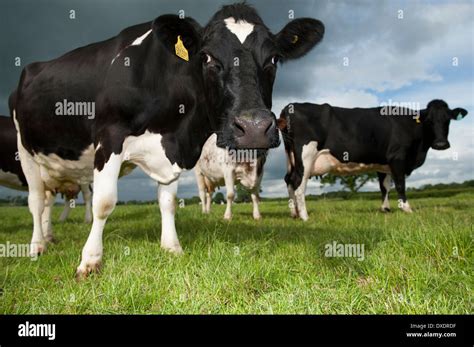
{"points": [[440, 145], [255, 129]]}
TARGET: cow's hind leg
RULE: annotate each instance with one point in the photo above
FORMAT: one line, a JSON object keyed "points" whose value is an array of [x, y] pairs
{"points": [[229, 186], [87, 195], [384, 183], [255, 200], [202, 190], [46, 216], [66, 209], [167, 201], [103, 203], [36, 198]]}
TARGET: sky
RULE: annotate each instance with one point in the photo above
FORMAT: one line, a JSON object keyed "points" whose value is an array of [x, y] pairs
{"points": [[372, 52]]}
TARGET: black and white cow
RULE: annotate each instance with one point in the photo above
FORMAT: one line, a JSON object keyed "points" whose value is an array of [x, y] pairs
{"points": [[220, 166], [11, 176], [159, 90], [322, 139]]}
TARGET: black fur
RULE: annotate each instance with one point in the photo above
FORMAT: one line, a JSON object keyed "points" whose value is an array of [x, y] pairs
{"points": [[147, 95]]}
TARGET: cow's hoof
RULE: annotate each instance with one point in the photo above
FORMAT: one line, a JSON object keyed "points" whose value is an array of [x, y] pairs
{"points": [[227, 218], [83, 271], [37, 248], [174, 249], [257, 217], [385, 209], [407, 210]]}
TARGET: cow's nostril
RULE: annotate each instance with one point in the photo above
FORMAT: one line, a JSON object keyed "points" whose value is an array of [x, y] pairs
{"points": [[271, 125], [240, 131]]}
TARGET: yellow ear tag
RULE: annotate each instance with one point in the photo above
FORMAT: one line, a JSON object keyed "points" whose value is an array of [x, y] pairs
{"points": [[417, 119], [180, 50], [295, 39]]}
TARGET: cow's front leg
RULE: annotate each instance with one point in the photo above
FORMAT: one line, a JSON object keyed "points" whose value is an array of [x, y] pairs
{"points": [[46, 216], [292, 201], [384, 183], [167, 201], [300, 199], [87, 195], [229, 187], [255, 200], [103, 203], [398, 174]]}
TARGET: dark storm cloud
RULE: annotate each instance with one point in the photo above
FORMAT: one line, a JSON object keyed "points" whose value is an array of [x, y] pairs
{"points": [[387, 54]]}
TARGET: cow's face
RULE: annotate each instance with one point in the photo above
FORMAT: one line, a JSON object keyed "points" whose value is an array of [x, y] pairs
{"points": [[438, 117], [237, 57]]}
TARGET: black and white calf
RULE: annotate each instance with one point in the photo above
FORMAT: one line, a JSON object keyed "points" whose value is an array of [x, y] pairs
{"points": [[219, 166], [322, 139], [159, 90], [11, 176]]}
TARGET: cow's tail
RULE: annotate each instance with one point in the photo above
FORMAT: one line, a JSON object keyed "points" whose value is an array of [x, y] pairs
{"points": [[283, 124]]}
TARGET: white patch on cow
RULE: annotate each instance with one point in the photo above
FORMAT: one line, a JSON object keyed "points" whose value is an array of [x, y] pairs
{"points": [[11, 180], [405, 206], [240, 28], [36, 194], [137, 42], [309, 154], [147, 152], [167, 201], [65, 175], [387, 184], [215, 168]]}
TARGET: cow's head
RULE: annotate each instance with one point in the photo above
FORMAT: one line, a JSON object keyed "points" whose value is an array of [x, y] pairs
{"points": [[438, 117], [238, 56]]}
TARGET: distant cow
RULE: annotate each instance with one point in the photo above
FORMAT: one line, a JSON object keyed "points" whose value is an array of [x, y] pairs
{"points": [[150, 96], [322, 139], [217, 166], [11, 176]]}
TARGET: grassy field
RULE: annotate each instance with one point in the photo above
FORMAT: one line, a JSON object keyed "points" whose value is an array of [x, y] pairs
{"points": [[418, 263]]}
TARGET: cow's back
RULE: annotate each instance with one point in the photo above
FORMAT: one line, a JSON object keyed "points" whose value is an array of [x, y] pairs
{"points": [[76, 77]]}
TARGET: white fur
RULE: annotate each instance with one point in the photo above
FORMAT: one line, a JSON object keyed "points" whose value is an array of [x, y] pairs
{"points": [[137, 42], [240, 28], [147, 152], [215, 168]]}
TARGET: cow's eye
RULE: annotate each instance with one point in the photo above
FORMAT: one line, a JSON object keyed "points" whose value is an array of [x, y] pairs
{"points": [[275, 60], [207, 58]]}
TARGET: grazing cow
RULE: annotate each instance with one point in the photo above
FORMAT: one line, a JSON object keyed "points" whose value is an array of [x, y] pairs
{"points": [[11, 176], [218, 166], [322, 139], [150, 97]]}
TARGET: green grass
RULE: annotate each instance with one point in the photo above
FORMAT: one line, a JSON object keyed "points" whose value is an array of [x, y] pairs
{"points": [[418, 263]]}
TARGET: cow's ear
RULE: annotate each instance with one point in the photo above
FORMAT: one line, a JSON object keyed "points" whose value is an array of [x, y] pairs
{"points": [[168, 28], [458, 113], [299, 36]]}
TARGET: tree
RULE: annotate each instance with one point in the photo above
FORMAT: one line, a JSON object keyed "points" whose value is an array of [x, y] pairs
{"points": [[243, 195], [218, 198], [351, 183]]}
